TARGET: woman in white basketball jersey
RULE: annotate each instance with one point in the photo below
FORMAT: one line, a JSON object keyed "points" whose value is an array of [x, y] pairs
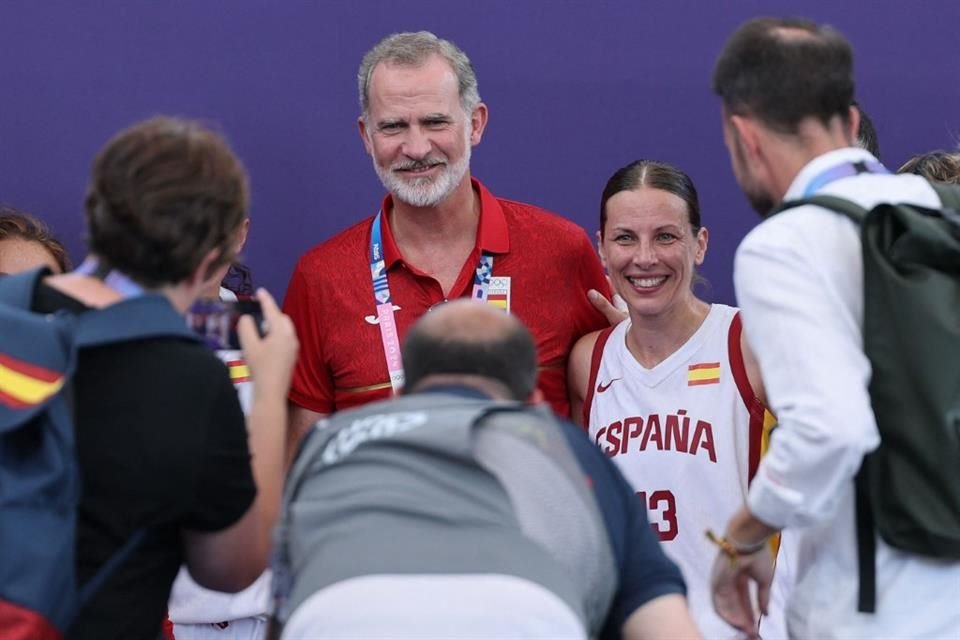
{"points": [[672, 394]]}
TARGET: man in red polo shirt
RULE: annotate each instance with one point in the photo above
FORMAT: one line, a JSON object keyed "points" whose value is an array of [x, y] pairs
{"points": [[439, 235]]}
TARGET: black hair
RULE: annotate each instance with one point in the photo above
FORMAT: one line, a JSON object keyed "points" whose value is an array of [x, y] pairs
{"points": [[655, 175], [784, 70]]}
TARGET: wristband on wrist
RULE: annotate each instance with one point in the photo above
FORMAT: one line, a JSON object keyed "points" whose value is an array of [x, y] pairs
{"points": [[733, 549]]}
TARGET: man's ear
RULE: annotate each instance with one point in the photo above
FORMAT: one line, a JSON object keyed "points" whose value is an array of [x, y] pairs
{"points": [[206, 270], [747, 135], [478, 122], [364, 135], [244, 230], [854, 124]]}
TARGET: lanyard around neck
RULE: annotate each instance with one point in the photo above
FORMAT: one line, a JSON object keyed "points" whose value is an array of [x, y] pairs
{"points": [[382, 298], [116, 280], [845, 170]]}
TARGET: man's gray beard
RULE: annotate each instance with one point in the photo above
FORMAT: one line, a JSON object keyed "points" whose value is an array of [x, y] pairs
{"points": [[425, 192]]}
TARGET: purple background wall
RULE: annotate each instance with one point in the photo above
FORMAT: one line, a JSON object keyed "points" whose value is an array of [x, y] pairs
{"points": [[575, 90]]}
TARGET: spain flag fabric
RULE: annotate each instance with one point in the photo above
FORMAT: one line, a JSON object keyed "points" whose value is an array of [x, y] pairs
{"points": [[703, 373], [239, 371], [24, 385]]}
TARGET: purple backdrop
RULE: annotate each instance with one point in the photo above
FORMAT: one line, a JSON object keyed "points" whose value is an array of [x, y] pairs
{"points": [[575, 90]]}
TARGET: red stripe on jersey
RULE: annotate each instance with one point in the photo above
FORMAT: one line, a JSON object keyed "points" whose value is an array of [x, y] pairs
{"points": [[595, 358], [704, 365], [753, 404], [696, 383]]}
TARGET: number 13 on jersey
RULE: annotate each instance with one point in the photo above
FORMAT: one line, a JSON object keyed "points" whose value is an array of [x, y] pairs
{"points": [[661, 512]]}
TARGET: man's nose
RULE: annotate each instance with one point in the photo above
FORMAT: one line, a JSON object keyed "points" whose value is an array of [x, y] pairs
{"points": [[417, 143]]}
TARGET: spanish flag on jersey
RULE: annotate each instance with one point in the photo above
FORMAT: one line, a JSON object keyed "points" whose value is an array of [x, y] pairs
{"points": [[703, 373]]}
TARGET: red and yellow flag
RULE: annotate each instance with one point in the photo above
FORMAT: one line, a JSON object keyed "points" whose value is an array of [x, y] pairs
{"points": [[239, 371], [25, 385], [703, 373], [498, 300]]}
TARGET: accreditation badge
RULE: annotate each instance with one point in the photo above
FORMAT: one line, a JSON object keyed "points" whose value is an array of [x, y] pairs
{"points": [[499, 292]]}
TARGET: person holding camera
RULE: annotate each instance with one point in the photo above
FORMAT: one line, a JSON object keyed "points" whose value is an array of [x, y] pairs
{"points": [[161, 441], [194, 612]]}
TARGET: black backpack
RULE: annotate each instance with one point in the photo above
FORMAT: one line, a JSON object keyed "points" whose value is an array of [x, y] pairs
{"points": [[39, 478], [908, 489]]}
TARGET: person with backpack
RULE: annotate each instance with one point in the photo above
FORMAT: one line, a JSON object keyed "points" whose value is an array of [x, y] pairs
{"points": [[810, 282], [168, 473]]}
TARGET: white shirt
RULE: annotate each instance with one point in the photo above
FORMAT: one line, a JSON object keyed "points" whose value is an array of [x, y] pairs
{"points": [[434, 607], [799, 283]]}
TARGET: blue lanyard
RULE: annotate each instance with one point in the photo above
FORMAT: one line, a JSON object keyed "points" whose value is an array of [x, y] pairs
{"points": [[378, 268], [845, 170], [384, 301], [378, 265], [116, 280]]}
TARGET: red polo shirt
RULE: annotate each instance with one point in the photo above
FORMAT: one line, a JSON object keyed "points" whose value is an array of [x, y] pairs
{"points": [[543, 267]]}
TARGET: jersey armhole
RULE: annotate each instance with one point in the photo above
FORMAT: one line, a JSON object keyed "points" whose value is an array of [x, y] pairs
{"points": [[595, 358], [755, 408]]}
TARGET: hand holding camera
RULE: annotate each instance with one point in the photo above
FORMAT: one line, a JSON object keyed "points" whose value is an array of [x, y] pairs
{"points": [[270, 349]]}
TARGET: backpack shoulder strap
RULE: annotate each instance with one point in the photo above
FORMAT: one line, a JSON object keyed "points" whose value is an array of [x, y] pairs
{"points": [[17, 289], [866, 543], [841, 205], [145, 316], [949, 194]]}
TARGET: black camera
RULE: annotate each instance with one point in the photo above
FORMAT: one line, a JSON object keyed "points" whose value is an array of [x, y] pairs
{"points": [[216, 321]]}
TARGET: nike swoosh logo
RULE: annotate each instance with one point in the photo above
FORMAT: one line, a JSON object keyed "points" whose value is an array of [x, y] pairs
{"points": [[375, 319], [603, 387]]}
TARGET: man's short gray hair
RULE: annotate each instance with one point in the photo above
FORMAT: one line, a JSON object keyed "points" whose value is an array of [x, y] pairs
{"points": [[413, 49]]}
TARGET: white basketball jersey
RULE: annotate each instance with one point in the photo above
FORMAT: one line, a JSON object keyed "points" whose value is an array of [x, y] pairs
{"points": [[687, 436]]}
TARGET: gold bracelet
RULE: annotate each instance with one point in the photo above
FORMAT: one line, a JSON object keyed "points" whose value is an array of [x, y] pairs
{"points": [[733, 550]]}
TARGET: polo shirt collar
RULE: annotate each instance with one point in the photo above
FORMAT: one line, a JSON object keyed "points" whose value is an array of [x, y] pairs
{"points": [[492, 233]]}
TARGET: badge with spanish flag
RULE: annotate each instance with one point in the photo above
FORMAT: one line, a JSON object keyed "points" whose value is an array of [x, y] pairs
{"points": [[498, 294]]}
